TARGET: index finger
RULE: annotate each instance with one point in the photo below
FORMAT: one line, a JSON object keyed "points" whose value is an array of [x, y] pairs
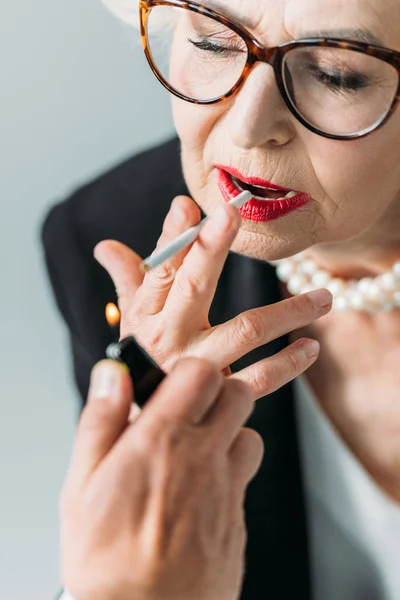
{"points": [[195, 283]]}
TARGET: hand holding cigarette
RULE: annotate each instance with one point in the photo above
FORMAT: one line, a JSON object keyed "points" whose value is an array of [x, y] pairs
{"points": [[168, 311]]}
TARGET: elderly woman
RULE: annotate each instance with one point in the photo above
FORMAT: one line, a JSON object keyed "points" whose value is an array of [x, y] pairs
{"points": [[295, 102]]}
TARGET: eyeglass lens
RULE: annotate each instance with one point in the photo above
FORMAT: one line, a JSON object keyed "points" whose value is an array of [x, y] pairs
{"points": [[338, 91]]}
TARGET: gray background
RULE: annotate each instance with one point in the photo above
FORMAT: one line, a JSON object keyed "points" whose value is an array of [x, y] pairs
{"points": [[73, 85]]}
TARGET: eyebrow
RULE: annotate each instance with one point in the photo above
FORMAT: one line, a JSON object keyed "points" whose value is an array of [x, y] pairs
{"points": [[355, 35]]}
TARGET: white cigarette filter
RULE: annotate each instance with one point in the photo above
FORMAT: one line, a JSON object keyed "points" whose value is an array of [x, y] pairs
{"points": [[186, 238]]}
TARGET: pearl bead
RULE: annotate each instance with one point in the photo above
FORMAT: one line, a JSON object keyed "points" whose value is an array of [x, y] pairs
{"points": [[308, 267], [369, 294], [356, 300], [396, 269], [335, 286], [285, 270], [364, 284], [388, 281], [296, 284], [320, 279], [375, 292], [340, 303]]}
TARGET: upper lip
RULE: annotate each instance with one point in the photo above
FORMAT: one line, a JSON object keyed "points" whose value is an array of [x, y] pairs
{"points": [[253, 180]]}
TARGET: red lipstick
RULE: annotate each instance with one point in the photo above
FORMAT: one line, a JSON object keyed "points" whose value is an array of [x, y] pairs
{"points": [[278, 202]]}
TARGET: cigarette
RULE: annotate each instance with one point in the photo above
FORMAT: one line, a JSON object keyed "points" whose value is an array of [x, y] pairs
{"points": [[186, 238]]}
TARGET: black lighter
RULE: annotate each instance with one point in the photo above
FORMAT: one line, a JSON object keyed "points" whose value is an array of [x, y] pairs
{"points": [[146, 374]]}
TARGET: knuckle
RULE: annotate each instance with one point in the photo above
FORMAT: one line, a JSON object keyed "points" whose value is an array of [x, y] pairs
{"points": [[302, 305], [249, 328], [252, 450], [151, 335], [163, 276], [252, 441], [257, 442], [155, 336], [294, 360], [189, 285], [263, 381]]}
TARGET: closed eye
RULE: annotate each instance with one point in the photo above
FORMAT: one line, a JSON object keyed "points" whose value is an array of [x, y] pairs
{"points": [[207, 45], [335, 80]]}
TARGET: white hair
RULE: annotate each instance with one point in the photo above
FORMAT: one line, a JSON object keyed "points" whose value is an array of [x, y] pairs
{"points": [[126, 10]]}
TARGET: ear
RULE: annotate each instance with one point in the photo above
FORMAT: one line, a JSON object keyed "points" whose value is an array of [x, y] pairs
{"points": [[126, 10]]}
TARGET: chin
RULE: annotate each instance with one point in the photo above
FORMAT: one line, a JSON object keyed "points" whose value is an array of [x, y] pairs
{"points": [[266, 246]]}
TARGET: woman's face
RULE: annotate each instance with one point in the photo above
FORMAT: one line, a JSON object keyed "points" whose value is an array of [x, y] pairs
{"points": [[354, 186]]}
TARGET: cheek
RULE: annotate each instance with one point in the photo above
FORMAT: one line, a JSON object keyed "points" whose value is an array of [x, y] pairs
{"points": [[193, 123], [196, 126], [360, 178]]}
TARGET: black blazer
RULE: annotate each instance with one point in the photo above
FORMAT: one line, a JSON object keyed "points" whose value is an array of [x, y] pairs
{"points": [[129, 204]]}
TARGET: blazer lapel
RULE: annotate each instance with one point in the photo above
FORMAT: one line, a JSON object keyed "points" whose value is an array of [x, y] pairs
{"points": [[277, 564]]}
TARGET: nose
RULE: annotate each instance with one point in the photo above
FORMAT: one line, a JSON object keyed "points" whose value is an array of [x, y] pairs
{"points": [[258, 115]]}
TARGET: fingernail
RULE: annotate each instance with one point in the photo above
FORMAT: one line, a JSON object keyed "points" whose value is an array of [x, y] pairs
{"points": [[320, 298], [104, 380], [310, 348]]}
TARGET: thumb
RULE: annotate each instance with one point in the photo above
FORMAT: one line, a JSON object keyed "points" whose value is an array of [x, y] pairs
{"points": [[104, 417], [123, 266]]}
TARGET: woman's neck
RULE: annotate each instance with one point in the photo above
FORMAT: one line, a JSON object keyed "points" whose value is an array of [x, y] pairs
{"points": [[369, 255], [348, 264]]}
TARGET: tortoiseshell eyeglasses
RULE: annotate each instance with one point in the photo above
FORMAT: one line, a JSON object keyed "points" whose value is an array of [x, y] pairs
{"points": [[339, 89]]}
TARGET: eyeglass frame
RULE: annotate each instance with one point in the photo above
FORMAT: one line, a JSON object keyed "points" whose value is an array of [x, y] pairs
{"points": [[272, 56]]}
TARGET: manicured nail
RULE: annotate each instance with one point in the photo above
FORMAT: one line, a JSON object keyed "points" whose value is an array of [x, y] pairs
{"points": [[310, 348], [104, 380], [320, 298]]}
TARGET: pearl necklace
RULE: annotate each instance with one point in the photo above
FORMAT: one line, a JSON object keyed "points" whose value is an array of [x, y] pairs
{"points": [[371, 294]]}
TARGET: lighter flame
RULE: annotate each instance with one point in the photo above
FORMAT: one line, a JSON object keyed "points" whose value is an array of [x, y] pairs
{"points": [[113, 315]]}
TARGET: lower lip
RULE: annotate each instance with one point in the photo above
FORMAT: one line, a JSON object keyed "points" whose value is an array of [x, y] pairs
{"points": [[260, 211]]}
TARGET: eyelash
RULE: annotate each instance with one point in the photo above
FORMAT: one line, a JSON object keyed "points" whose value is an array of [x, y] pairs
{"points": [[208, 46], [351, 83]]}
